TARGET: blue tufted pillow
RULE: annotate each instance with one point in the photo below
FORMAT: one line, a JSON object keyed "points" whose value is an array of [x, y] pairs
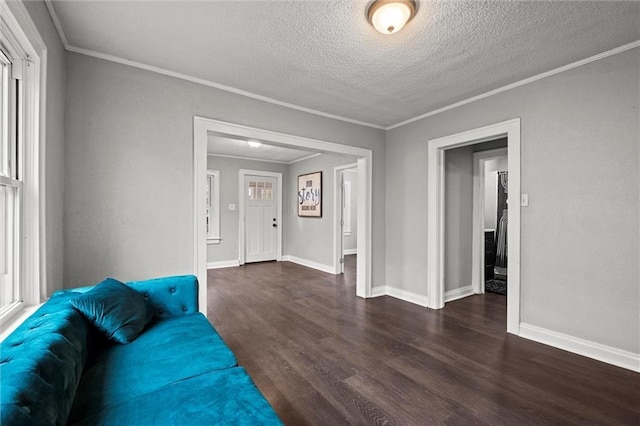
{"points": [[115, 309]]}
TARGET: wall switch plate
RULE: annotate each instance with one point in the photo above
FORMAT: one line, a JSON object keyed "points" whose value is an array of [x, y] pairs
{"points": [[524, 201], [232, 207]]}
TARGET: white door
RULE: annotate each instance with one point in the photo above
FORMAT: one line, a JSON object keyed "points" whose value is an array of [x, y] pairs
{"points": [[261, 218]]}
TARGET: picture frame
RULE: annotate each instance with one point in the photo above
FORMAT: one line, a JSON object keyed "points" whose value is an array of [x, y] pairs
{"points": [[310, 195]]}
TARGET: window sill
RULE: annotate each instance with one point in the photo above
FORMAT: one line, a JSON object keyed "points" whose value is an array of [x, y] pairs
{"points": [[18, 319]]}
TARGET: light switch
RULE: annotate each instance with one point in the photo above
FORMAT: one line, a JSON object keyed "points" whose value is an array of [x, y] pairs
{"points": [[232, 207], [524, 202]]}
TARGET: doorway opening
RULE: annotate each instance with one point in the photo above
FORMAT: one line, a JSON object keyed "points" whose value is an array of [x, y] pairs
{"points": [[345, 216], [205, 127], [436, 214], [490, 221]]}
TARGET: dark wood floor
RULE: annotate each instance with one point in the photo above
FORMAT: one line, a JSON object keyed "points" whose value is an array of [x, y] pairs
{"points": [[322, 356]]}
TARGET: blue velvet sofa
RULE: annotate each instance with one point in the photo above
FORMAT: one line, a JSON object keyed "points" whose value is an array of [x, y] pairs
{"points": [[60, 367]]}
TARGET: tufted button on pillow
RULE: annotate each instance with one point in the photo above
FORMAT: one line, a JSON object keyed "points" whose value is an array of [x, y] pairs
{"points": [[145, 295], [172, 290], [185, 309], [160, 311], [26, 409]]}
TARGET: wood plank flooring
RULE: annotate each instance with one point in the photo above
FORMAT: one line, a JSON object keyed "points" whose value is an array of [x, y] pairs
{"points": [[322, 356]]}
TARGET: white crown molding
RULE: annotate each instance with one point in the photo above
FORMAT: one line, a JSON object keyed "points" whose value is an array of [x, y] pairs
{"points": [[239, 157], [308, 157], [208, 83], [521, 82], [159, 70], [262, 160], [608, 354], [57, 23], [117, 59]]}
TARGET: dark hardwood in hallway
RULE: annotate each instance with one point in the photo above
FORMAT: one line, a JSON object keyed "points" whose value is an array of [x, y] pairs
{"points": [[322, 356]]}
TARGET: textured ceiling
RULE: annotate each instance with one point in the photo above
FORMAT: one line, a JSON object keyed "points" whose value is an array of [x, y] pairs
{"points": [[323, 55], [240, 149]]}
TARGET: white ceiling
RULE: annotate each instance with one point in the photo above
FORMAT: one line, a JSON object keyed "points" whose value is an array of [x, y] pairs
{"points": [[324, 56], [237, 148]]}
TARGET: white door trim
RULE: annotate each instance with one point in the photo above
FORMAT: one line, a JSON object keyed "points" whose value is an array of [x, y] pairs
{"points": [[242, 196], [477, 256], [337, 229], [202, 127], [435, 212]]}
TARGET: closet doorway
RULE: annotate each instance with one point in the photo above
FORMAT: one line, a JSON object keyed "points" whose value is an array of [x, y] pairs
{"points": [[436, 216], [490, 221]]}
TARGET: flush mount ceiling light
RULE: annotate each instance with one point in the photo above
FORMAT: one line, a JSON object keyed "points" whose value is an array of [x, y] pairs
{"points": [[254, 144], [389, 16]]}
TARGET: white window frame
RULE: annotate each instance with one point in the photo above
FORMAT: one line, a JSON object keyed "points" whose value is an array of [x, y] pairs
{"points": [[213, 207], [20, 37]]}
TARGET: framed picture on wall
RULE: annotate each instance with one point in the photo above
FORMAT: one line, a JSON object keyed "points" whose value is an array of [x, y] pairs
{"points": [[310, 195]]}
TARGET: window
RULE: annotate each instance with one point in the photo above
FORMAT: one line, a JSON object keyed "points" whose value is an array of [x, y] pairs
{"points": [[20, 279], [10, 187], [260, 191], [213, 207]]}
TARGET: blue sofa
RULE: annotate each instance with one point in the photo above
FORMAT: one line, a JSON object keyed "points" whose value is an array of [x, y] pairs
{"points": [[59, 367]]}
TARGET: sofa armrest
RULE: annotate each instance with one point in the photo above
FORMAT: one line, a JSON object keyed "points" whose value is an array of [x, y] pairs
{"points": [[170, 296]]}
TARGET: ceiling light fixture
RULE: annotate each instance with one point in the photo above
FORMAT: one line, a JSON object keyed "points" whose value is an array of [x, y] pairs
{"points": [[389, 16], [254, 144]]}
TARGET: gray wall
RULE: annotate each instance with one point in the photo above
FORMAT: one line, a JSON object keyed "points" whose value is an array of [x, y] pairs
{"points": [[351, 242], [129, 208], [458, 213], [311, 238], [53, 145], [228, 248], [580, 167]]}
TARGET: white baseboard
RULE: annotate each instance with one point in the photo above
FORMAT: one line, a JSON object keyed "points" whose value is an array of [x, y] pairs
{"points": [[608, 354], [222, 264], [351, 251], [407, 296], [458, 293], [378, 291], [310, 264]]}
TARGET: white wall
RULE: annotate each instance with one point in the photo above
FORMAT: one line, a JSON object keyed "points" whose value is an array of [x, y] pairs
{"points": [[227, 250], [491, 191], [53, 154], [311, 238], [129, 183], [580, 166]]}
